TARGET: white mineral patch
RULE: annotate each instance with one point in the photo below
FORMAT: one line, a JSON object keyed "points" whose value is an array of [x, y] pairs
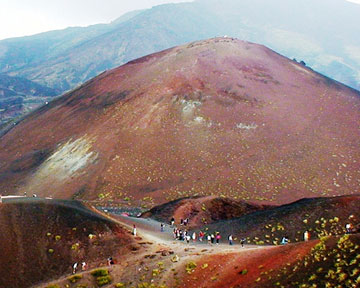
{"points": [[67, 160], [199, 119], [246, 126], [189, 105]]}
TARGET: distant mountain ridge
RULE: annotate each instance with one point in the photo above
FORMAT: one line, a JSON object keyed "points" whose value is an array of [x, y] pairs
{"points": [[19, 95], [323, 33]]}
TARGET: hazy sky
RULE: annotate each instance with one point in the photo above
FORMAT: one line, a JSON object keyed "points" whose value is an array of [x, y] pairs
{"points": [[27, 17]]}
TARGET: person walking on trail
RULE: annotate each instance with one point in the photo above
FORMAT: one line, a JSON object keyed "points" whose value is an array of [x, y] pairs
{"points": [[74, 267], [349, 228], [209, 239], [212, 238], [110, 261], [172, 221], [230, 239], [194, 237], [218, 237], [201, 236], [242, 242], [188, 239], [162, 227], [134, 230], [186, 221], [83, 266], [306, 236], [284, 240], [181, 221]]}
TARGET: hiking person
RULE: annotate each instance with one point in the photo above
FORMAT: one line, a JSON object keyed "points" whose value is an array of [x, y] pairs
{"points": [[194, 237], [349, 228], [201, 236], [230, 239], [181, 221], [212, 238], [209, 239], [172, 221], [284, 240], [306, 236], [242, 242], [83, 266], [162, 227], [74, 267], [218, 237], [134, 230], [188, 239], [186, 221], [110, 261]]}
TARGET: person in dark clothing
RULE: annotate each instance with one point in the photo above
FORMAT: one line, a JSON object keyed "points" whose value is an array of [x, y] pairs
{"points": [[242, 242]]}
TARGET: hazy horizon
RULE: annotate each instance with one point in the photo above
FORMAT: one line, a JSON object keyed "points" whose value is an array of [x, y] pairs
{"points": [[25, 18]]}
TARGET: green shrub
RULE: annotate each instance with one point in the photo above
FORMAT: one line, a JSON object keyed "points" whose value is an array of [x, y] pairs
{"points": [[75, 246], [190, 267], [155, 272], [57, 237], [75, 278], [103, 280], [50, 250], [120, 285], [100, 272]]}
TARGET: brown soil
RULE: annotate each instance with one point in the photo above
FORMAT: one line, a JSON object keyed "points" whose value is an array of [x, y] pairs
{"points": [[41, 239]]}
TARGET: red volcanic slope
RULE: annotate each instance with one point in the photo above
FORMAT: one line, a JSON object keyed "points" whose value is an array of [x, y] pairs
{"points": [[202, 210], [216, 117], [320, 216], [327, 263]]}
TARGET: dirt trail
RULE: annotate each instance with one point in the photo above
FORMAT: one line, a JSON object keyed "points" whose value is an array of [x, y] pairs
{"points": [[155, 247], [150, 229]]}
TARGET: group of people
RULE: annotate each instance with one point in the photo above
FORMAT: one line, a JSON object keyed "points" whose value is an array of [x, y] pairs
{"points": [[201, 236], [75, 266], [185, 235], [184, 222], [349, 228]]}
